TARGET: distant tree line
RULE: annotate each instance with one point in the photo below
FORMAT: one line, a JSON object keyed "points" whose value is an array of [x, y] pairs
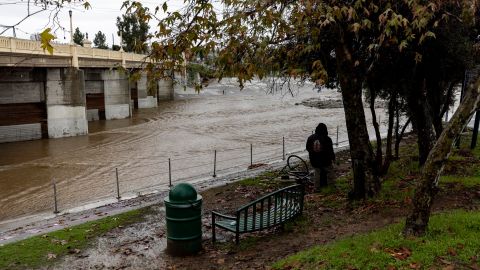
{"points": [[134, 35]]}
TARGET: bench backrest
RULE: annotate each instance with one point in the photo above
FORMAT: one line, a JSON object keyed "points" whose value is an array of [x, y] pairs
{"points": [[272, 209]]}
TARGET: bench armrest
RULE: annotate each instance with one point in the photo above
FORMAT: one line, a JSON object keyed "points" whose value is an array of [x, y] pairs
{"points": [[223, 216]]}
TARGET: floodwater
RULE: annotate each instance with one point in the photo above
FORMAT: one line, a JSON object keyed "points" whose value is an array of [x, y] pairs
{"points": [[186, 130]]}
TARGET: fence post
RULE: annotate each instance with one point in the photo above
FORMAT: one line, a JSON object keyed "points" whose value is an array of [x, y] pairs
{"points": [[215, 163], [337, 137], [169, 173], [55, 207], [118, 184], [283, 143], [251, 155]]}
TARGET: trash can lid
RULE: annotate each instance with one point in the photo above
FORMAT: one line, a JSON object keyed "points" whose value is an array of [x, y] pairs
{"points": [[182, 192]]}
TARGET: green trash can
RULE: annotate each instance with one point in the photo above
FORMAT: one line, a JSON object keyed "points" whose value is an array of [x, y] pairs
{"points": [[183, 208]]}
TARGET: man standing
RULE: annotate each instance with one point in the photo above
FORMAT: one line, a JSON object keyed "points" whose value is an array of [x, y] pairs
{"points": [[320, 152]]}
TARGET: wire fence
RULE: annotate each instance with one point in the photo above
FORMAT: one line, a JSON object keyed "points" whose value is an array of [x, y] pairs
{"points": [[105, 182], [130, 181]]}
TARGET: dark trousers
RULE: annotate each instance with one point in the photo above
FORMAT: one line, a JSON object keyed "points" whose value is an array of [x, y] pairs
{"points": [[321, 177]]}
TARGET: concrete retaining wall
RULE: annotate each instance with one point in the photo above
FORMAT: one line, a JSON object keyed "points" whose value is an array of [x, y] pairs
{"points": [[148, 102], [21, 92], [165, 89], [144, 99], [94, 91], [93, 115], [66, 104], [119, 111], [66, 121], [117, 95], [24, 132], [22, 104]]}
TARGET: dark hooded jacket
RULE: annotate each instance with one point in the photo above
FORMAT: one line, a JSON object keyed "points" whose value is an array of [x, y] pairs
{"points": [[326, 155]]}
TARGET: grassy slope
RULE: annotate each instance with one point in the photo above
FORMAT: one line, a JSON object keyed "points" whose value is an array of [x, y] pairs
{"points": [[452, 239], [44, 249]]}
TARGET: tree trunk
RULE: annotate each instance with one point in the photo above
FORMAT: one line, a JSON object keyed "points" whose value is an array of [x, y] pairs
{"points": [[391, 120], [417, 221], [448, 99], [399, 136], [365, 180], [378, 136], [434, 94], [422, 121], [440, 104], [397, 132], [437, 124]]}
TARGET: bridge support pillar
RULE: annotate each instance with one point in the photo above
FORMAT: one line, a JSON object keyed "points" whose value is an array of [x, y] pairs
{"points": [[22, 104], [165, 89], [66, 103], [146, 92], [117, 95]]}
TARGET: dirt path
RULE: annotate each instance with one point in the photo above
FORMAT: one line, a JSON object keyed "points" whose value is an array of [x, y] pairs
{"points": [[327, 216]]}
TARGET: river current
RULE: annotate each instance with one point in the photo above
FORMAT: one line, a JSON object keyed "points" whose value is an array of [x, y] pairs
{"points": [[187, 130]]}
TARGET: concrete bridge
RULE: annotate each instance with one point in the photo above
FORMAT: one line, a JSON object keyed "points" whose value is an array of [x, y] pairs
{"points": [[53, 96]]}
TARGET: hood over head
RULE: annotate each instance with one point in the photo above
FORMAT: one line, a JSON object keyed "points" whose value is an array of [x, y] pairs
{"points": [[321, 130]]}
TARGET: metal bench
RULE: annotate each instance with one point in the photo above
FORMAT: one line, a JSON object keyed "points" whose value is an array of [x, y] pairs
{"points": [[270, 210]]}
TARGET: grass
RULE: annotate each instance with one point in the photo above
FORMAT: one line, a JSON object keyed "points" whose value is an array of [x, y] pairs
{"points": [[452, 240], [462, 169], [468, 182], [463, 166], [45, 249], [262, 180]]}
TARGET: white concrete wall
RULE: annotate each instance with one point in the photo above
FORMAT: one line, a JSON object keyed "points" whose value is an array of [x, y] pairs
{"points": [[144, 100], [148, 102], [66, 103], [119, 111], [142, 87], [117, 95], [165, 89], [24, 132], [66, 121], [92, 115]]}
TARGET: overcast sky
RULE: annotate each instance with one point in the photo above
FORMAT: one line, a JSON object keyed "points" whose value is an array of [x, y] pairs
{"points": [[102, 17]]}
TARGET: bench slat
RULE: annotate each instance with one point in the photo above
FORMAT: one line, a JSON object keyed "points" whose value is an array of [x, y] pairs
{"points": [[251, 224], [245, 216], [254, 210], [285, 204]]}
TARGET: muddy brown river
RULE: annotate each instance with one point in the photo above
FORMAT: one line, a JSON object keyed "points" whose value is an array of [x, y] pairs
{"points": [[186, 130]]}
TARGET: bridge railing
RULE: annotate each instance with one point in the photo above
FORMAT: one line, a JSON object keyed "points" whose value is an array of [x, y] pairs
{"points": [[23, 46]]}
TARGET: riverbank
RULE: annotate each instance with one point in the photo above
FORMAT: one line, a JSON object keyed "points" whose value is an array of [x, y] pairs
{"points": [[328, 216], [187, 130]]}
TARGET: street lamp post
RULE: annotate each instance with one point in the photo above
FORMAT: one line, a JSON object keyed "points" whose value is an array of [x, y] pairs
{"points": [[121, 41], [73, 49], [71, 27]]}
